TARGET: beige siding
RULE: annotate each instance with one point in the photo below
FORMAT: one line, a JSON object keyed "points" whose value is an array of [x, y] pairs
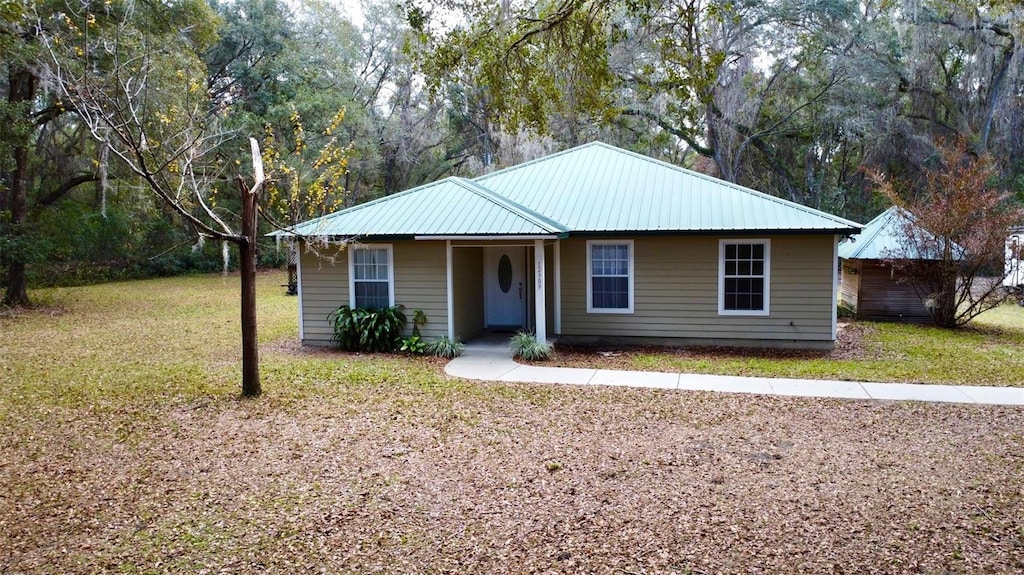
{"points": [[420, 283], [676, 293], [323, 289], [549, 288], [469, 292]]}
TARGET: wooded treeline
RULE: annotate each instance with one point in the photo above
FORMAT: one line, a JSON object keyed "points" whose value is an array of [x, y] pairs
{"points": [[797, 98]]}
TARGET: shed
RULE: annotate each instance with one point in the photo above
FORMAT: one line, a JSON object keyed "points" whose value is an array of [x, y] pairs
{"points": [[870, 287]]}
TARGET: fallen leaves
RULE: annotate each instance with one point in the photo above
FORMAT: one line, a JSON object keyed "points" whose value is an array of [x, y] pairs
{"points": [[380, 464]]}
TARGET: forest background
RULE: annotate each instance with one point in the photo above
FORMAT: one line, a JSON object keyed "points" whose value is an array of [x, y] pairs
{"points": [[802, 99]]}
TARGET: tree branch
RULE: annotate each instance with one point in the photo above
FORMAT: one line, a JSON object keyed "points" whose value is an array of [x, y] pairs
{"points": [[64, 189]]}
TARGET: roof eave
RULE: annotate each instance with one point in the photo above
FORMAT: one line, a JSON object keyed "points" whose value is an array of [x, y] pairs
{"points": [[745, 232], [490, 237]]}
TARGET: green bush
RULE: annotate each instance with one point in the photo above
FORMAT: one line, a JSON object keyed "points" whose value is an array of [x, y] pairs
{"points": [[445, 346], [367, 329], [525, 346], [413, 344]]}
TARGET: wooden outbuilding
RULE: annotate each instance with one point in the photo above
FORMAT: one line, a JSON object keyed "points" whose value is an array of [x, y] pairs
{"points": [[870, 288]]}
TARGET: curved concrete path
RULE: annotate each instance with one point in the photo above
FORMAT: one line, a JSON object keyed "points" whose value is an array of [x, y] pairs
{"points": [[490, 359]]}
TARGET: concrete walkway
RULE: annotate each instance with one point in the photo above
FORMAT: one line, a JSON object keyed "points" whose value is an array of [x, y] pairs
{"points": [[490, 359]]}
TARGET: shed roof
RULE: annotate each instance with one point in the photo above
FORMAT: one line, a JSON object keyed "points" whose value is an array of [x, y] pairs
{"points": [[591, 189], [883, 238]]}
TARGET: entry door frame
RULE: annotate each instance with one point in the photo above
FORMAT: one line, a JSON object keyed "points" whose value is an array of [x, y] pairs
{"points": [[492, 255]]}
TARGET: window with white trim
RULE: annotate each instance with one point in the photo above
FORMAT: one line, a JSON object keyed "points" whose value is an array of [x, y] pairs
{"points": [[610, 276], [743, 277], [371, 280]]}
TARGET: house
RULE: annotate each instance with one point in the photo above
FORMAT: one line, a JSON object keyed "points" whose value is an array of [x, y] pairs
{"points": [[592, 244], [870, 287]]}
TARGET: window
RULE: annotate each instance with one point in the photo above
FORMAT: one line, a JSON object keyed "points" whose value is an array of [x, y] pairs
{"points": [[370, 277], [610, 276], [743, 277]]}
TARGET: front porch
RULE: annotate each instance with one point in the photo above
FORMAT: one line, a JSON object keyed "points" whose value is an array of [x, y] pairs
{"points": [[503, 285]]}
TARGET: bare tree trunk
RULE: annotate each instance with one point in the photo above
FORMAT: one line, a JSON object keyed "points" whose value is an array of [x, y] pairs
{"points": [[247, 258], [22, 89]]}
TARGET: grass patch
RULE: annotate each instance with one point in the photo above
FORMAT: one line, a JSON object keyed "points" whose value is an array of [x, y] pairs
{"points": [[125, 447], [988, 352]]}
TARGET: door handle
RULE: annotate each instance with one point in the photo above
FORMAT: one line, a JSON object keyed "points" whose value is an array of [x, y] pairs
{"points": [[520, 290]]}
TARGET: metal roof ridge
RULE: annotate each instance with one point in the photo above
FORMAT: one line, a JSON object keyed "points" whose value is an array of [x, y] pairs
{"points": [[542, 158], [737, 187], [520, 210], [882, 220]]}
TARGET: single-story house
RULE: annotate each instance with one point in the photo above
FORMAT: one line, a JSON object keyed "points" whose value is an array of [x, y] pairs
{"points": [[870, 287], [592, 244]]}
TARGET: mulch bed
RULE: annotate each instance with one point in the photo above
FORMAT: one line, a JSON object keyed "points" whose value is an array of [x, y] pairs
{"points": [[850, 344]]}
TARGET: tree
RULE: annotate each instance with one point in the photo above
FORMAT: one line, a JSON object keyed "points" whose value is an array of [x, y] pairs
{"points": [[954, 229], [133, 74], [37, 167], [787, 96]]}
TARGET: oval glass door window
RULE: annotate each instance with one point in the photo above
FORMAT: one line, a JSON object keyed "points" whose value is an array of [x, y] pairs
{"points": [[505, 273]]}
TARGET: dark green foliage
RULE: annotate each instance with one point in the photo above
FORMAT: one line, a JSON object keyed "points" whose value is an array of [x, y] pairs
{"points": [[419, 319], [368, 329], [413, 344], [445, 346], [525, 346]]}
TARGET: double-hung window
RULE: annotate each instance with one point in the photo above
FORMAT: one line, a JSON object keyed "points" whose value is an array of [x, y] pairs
{"points": [[743, 277], [371, 279], [610, 276]]}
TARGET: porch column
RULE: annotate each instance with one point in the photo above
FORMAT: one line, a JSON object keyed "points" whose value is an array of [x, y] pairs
{"points": [[451, 287], [538, 289]]}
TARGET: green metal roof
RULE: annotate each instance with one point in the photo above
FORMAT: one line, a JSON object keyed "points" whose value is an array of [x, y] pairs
{"points": [[449, 207], [883, 238], [601, 188], [590, 189]]}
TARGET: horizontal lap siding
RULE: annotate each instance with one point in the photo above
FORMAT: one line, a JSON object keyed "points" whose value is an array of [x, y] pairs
{"points": [[549, 288], [324, 289], [469, 291], [421, 282], [676, 285]]}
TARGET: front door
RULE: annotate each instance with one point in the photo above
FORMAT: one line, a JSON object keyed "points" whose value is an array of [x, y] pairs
{"points": [[504, 270]]}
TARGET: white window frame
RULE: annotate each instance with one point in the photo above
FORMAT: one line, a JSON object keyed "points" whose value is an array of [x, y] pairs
{"points": [[590, 278], [767, 243], [352, 271]]}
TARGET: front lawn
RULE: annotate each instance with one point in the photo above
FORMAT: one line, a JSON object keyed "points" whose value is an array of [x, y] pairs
{"points": [[988, 352], [124, 448]]}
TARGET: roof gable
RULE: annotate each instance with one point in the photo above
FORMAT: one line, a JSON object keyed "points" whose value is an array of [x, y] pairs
{"points": [[883, 238]]}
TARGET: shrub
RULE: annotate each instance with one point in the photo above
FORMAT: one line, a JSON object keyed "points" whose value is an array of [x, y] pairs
{"points": [[413, 344], [525, 346], [445, 346], [367, 329], [419, 319]]}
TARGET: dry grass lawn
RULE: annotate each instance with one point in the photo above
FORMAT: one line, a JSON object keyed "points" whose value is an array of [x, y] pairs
{"points": [[124, 448]]}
